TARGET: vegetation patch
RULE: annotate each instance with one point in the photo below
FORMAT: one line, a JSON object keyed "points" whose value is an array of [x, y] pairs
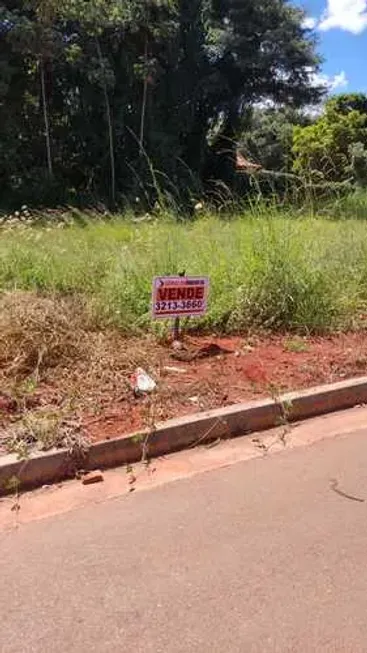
{"points": [[267, 270], [75, 319]]}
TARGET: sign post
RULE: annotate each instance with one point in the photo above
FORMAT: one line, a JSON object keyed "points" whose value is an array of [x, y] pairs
{"points": [[179, 296], [176, 328]]}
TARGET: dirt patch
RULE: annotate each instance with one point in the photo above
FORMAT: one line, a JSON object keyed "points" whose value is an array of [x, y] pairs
{"points": [[257, 368], [56, 372]]}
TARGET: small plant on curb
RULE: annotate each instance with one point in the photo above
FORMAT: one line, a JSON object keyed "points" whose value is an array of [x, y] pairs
{"points": [[285, 407], [12, 484], [12, 487], [132, 477], [20, 447], [296, 346], [138, 438], [149, 420], [43, 430]]}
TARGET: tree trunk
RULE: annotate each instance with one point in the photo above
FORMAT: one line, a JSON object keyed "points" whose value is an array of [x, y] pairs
{"points": [[144, 101], [45, 118], [110, 128]]}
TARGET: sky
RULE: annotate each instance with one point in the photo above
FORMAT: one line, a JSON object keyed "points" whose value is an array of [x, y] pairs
{"points": [[341, 27]]}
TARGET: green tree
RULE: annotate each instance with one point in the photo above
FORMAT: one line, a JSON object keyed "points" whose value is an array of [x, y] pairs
{"points": [[94, 18], [268, 139], [265, 54], [117, 97], [34, 43], [346, 102], [332, 149]]}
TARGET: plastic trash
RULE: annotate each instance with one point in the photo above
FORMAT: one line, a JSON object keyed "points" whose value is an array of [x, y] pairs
{"points": [[141, 382]]}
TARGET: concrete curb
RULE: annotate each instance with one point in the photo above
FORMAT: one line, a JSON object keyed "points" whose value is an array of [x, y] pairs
{"points": [[181, 433]]}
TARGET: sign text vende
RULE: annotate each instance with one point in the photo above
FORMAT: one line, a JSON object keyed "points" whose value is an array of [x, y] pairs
{"points": [[179, 296]]}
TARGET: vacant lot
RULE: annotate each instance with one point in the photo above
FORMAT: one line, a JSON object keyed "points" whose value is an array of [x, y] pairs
{"points": [[301, 274], [75, 318]]}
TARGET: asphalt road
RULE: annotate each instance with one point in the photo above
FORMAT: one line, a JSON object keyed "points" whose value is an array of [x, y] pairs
{"points": [[260, 557]]}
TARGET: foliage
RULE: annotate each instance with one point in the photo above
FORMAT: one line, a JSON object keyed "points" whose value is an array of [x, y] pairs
{"points": [[110, 99], [268, 138], [334, 148]]}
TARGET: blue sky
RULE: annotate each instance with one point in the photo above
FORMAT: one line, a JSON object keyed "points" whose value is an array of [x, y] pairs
{"points": [[341, 26]]}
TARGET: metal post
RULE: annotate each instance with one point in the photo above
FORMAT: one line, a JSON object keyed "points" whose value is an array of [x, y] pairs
{"points": [[176, 322], [176, 329]]}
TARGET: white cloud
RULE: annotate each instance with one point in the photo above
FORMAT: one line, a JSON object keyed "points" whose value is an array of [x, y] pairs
{"points": [[330, 82], [309, 22], [348, 15], [338, 81]]}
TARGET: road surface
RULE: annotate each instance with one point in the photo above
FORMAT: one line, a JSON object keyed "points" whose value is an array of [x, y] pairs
{"points": [[263, 556]]}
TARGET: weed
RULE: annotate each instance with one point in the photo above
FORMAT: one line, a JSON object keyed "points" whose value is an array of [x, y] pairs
{"points": [[138, 438], [296, 345], [44, 430], [18, 444], [285, 407], [266, 270], [12, 485]]}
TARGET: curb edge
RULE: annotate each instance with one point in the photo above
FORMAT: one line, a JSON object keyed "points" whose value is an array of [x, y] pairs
{"points": [[183, 432]]}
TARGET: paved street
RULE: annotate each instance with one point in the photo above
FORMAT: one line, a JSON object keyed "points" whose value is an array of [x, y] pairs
{"points": [[260, 557]]}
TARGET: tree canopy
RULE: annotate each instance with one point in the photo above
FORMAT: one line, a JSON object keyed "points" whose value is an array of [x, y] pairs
{"points": [[334, 147], [114, 99]]}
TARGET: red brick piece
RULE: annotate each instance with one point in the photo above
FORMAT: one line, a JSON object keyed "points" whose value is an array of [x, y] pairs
{"points": [[92, 477]]}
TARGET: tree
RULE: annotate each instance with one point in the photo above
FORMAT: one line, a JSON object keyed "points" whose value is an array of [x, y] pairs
{"points": [[96, 17], [346, 102], [46, 11], [132, 95], [265, 54], [268, 138], [333, 148], [29, 31]]}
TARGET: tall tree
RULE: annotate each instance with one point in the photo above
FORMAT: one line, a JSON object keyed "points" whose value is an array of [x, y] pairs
{"points": [[265, 54], [334, 148], [268, 138], [29, 29], [46, 11], [129, 95]]}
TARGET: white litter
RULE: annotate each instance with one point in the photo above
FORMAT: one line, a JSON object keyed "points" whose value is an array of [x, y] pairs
{"points": [[174, 370], [141, 382]]}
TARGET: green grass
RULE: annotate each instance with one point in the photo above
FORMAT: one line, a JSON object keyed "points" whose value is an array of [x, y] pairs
{"points": [[296, 273]]}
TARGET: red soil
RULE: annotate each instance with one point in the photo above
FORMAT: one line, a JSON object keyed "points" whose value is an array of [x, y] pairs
{"points": [[256, 367]]}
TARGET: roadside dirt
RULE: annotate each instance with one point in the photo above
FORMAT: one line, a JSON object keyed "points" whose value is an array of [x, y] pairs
{"points": [[210, 372], [255, 368], [58, 499]]}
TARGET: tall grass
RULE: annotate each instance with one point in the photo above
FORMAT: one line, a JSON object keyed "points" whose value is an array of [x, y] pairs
{"points": [[265, 270]]}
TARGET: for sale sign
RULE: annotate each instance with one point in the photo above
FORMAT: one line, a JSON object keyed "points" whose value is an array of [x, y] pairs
{"points": [[179, 296]]}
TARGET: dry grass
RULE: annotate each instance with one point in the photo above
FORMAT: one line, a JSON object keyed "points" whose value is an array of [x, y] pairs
{"points": [[44, 429], [59, 375], [54, 367], [43, 337], [62, 377], [38, 334]]}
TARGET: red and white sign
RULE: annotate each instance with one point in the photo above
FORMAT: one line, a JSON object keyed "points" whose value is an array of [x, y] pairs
{"points": [[179, 296]]}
